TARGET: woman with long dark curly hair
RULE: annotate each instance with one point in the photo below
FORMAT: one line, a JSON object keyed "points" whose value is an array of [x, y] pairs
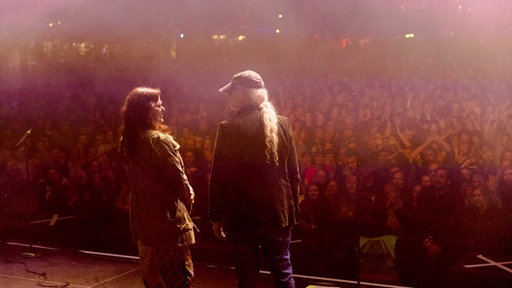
{"points": [[160, 194]]}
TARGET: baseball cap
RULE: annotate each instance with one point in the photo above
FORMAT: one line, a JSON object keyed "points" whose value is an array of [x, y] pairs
{"points": [[246, 79]]}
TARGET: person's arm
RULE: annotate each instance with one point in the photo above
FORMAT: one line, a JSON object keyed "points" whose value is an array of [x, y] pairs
{"points": [[394, 154], [218, 230], [219, 181], [293, 169], [441, 140], [401, 136], [417, 151], [172, 167], [216, 191]]}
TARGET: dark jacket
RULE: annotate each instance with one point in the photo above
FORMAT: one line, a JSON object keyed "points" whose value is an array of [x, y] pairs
{"points": [[246, 192], [158, 190]]}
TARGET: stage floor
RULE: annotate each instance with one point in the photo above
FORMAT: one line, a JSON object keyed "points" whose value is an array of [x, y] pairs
{"points": [[23, 265]]}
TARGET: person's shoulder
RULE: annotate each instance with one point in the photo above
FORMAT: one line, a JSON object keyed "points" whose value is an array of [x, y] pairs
{"points": [[155, 136], [284, 122], [282, 119]]}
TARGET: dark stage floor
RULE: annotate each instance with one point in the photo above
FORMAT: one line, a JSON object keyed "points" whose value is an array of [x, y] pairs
{"points": [[23, 265]]}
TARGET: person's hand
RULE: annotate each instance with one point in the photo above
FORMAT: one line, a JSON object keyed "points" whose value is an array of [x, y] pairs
{"points": [[190, 202], [433, 249], [48, 193], [218, 231]]}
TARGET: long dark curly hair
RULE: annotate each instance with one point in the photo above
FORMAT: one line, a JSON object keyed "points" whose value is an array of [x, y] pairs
{"points": [[136, 116]]}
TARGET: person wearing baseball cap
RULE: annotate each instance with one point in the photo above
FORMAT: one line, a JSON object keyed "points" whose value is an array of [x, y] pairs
{"points": [[254, 184]]}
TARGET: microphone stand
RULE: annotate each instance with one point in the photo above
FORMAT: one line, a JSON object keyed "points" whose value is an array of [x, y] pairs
{"points": [[31, 252], [18, 144]]}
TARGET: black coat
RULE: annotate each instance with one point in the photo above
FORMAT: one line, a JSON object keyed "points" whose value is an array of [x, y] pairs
{"points": [[246, 192]]}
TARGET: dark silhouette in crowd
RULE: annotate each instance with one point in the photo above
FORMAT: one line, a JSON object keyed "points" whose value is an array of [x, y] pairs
{"points": [[481, 229], [312, 229], [57, 194], [254, 186], [436, 206], [96, 203], [504, 188], [160, 195]]}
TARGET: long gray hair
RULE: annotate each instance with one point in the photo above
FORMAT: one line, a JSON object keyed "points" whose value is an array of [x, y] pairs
{"points": [[269, 117]]}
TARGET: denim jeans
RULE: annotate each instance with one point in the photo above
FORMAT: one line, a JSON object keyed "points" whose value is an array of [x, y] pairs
{"points": [[275, 246]]}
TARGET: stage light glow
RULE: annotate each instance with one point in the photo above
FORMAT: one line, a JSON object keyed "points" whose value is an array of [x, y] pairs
{"points": [[409, 35], [345, 42], [53, 24], [280, 16], [241, 37], [278, 31], [219, 37]]}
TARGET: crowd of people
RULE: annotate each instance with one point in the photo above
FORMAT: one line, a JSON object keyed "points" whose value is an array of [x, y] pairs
{"points": [[423, 156]]}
